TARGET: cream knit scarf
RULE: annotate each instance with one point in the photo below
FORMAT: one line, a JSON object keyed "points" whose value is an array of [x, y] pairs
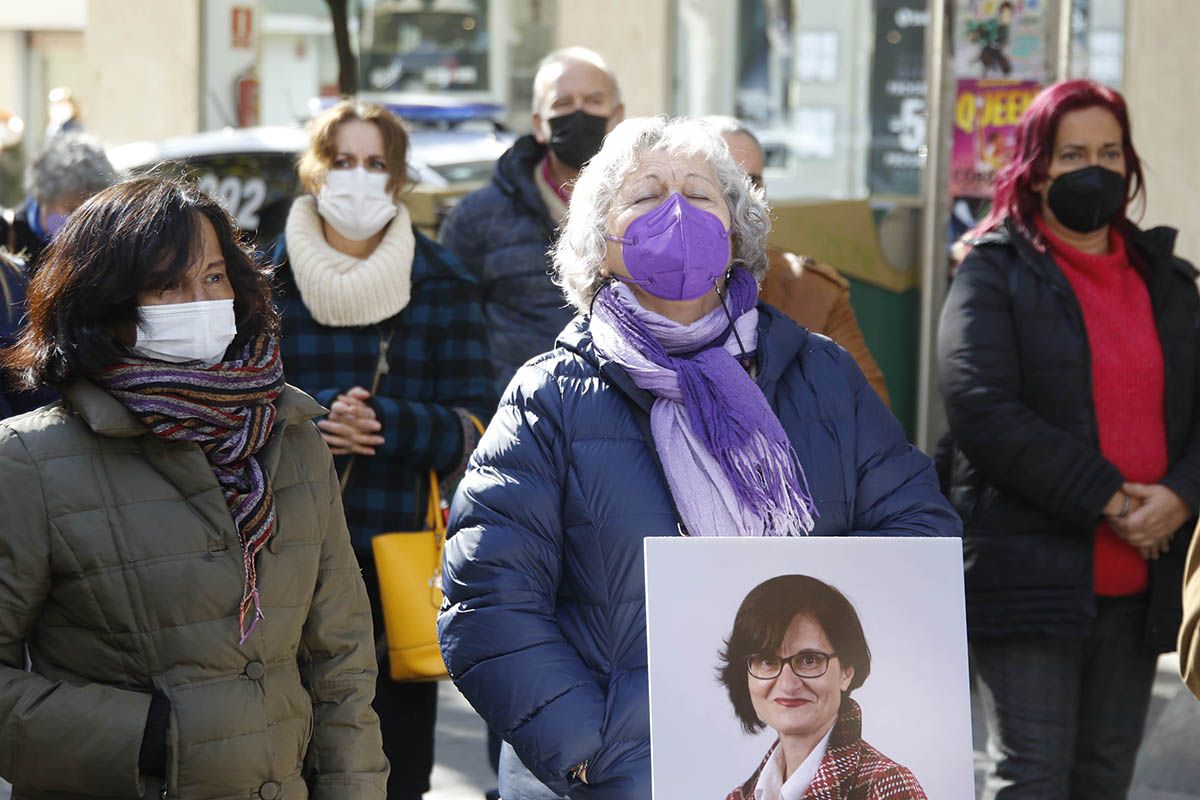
{"points": [[343, 291]]}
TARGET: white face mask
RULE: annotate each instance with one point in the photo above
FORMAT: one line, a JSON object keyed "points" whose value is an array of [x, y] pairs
{"points": [[356, 203], [180, 332]]}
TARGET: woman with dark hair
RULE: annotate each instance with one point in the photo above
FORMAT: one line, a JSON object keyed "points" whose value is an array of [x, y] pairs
{"points": [[174, 557], [384, 328], [1068, 353], [796, 652]]}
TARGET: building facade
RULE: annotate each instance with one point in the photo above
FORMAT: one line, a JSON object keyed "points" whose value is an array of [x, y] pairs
{"points": [[839, 92]]}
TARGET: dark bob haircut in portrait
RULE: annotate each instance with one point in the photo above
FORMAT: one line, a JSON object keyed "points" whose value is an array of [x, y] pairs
{"points": [[763, 619], [140, 235]]}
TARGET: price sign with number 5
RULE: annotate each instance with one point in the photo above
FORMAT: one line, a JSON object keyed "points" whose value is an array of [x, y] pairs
{"points": [[909, 124]]}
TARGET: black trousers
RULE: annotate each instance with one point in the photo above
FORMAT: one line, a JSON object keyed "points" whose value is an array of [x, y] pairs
{"points": [[407, 712], [1065, 716]]}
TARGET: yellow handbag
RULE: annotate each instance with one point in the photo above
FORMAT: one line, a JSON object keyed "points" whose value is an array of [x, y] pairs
{"points": [[409, 566], [409, 569]]}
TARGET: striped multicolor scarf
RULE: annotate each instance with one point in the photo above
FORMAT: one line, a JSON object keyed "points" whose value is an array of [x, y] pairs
{"points": [[229, 410]]}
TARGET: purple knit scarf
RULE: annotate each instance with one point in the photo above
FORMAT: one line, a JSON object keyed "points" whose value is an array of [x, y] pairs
{"points": [[229, 410], [729, 464]]}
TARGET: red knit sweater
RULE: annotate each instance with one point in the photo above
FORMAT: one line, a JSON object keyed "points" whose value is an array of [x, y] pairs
{"points": [[1127, 387]]}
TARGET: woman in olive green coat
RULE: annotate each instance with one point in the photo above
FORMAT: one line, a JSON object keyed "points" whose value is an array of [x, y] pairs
{"points": [[173, 554]]}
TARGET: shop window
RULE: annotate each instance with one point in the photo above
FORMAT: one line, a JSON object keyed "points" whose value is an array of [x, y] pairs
{"points": [[815, 132], [1106, 56], [424, 46], [1098, 40], [817, 56], [835, 90]]}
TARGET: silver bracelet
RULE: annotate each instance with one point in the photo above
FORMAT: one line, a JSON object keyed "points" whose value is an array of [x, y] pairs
{"points": [[1124, 506]]}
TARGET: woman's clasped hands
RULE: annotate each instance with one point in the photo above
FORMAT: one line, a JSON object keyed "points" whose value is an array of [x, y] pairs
{"points": [[1153, 515], [352, 427]]}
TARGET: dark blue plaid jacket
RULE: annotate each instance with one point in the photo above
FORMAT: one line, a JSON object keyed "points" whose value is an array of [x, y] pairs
{"points": [[438, 360]]}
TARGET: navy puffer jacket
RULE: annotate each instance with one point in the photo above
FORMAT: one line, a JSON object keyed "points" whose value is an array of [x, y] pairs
{"points": [[544, 625], [502, 233]]}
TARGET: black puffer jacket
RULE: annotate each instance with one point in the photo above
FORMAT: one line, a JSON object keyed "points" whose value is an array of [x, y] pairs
{"points": [[502, 233], [1029, 478]]}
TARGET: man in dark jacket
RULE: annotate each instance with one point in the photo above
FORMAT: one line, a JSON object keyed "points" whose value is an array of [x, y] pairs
{"points": [[502, 232], [72, 168]]}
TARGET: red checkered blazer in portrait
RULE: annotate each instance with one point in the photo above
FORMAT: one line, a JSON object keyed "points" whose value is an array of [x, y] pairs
{"points": [[851, 768]]}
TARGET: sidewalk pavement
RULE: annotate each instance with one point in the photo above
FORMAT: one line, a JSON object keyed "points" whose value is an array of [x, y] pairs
{"points": [[1167, 768], [462, 770]]}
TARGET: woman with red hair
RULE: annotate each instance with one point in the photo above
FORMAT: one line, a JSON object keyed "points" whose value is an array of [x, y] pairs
{"points": [[1068, 358]]}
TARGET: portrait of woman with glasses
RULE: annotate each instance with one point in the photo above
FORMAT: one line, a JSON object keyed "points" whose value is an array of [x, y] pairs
{"points": [[795, 654]]}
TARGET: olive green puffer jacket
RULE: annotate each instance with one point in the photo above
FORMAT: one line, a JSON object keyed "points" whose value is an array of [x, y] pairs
{"points": [[121, 572]]}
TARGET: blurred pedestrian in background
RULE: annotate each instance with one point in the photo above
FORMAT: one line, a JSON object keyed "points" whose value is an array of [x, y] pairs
{"points": [[174, 557], [676, 403], [63, 113], [366, 300], [1068, 354], [503, 232], [811, 292], [70, 169], [12, 157]]}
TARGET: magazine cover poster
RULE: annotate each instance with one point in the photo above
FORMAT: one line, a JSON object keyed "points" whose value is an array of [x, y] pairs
{"points": [[1000, 39], [986, 114], [839, 661]]}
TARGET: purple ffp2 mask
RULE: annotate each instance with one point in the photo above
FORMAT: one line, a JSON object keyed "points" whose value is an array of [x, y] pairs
{"points": [[676, 251], [53, 223]]}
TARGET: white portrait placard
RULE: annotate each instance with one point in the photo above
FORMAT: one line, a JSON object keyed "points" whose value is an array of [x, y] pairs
{"points": [[908, 596]]}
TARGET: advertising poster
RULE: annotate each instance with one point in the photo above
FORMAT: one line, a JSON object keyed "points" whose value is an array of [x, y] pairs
{"points": [[1000, 39], [897, 105], [986, 114], [841, 659]]}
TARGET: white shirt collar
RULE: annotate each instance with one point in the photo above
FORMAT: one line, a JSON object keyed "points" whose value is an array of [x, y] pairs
{"points": [[771, 786]]}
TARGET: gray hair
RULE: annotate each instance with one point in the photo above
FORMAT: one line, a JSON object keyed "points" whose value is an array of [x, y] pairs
{"points": [[581, 247], [564, 56], [71, 165], [728, 126]]}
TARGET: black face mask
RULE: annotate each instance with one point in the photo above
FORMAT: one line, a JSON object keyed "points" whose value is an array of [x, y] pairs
{"points": [[576, 137], [1087, 199]]}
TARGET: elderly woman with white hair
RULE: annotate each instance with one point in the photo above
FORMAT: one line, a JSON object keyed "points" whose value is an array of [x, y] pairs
{"points": [[71, 168], [675, 404]]}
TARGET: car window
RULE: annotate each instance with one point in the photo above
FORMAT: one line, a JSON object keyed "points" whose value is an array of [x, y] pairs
{"points": [[256, 188]]}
